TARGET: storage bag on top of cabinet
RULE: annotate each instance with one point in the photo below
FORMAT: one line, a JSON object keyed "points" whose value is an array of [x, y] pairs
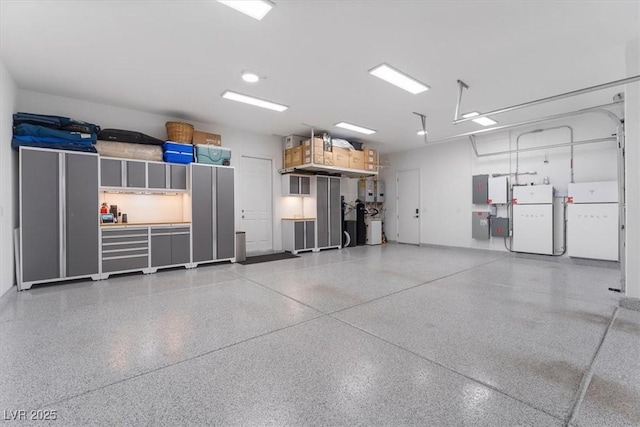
{"points": [[55, 122], [130, 136], [213, 155]]}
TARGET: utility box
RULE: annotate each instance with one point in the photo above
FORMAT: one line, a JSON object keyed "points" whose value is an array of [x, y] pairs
{"points": [[366, 191], [532, 194], [379, 186], [593, 223], [500, 227], [498, 190], [533, 219], [374, 232], [480, 189], [480, 225]]}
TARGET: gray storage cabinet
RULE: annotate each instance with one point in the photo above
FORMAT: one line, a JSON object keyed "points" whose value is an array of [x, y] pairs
{"points": [[213, 214], [162, 176], [111, 172], [296, 185], [58, 216], [329, 212], [124, 248], [298, 235], [170, 246]]}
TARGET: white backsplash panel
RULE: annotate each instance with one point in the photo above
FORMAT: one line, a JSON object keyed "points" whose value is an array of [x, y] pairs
{"points": [[149, 207]]}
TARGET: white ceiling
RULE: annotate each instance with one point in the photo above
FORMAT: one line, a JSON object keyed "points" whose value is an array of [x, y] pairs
{"points": [[177, 57]]}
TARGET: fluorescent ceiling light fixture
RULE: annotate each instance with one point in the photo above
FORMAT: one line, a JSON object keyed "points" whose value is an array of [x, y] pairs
{"points": [[254, 8], [345, 125], [389, 74], [422, 132], [484, 121], [250, 77], [234, 96]]}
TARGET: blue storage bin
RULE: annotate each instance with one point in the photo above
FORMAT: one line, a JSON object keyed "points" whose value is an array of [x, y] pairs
{"points": [[175, 157], [213, 155], [177, 147]]}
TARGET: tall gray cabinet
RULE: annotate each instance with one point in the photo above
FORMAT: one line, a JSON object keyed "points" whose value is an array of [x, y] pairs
{"points": [[329, 214], [212, 213], [58, 216]]}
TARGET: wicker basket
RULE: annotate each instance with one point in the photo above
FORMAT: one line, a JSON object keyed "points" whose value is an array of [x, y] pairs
{"points": [[179, 132]]}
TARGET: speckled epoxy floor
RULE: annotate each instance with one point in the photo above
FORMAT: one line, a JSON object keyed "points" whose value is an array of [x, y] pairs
{"points": [[386, 335]]}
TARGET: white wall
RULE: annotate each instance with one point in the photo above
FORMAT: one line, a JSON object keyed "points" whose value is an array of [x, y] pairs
{"points": [[632, 131], [8, 180], [107, 116], [446, 172]]}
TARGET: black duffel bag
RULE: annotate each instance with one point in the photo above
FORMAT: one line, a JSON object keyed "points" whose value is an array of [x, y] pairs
{"points": [[120, 135]]}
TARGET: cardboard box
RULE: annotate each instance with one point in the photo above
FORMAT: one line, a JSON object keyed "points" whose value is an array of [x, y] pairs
{"points": [[318, 158], [287, 158], [204, 138], [317, 144], [370, 167], [370, 155], [327, 158], [296, 156], [293, 157], [356, 159], [341, 157], [292, 141]]}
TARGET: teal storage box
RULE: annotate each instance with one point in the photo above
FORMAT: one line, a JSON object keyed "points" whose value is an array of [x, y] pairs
{"points": [[213, 155]]}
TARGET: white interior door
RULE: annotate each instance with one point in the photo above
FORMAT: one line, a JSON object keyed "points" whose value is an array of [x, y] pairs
{"points": [[408, 192], [256, 203]]}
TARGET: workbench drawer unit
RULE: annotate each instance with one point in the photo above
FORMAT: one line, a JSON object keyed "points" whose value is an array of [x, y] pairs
{"points": [[125, 249]]}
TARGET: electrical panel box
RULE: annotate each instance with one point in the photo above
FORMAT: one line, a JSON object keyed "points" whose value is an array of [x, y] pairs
{"points": [[480, 225], [532, 194], [366, 191], [498, 190], [480, 189], [379, 186], [499, 227], [593, 192]]}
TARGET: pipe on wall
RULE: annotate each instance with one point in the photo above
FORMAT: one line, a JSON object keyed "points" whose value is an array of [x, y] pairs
{"points": [[544, 100]]}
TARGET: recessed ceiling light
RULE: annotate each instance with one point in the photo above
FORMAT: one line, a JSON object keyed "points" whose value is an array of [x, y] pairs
{"points": [[389, 74], [422, 132], [234, 96], [484, 121], [254, 8], [345, 125], [250, 77]]}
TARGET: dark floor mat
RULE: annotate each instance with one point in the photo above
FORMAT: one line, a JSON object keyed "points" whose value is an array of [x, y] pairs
{"points": [[266, 258]]}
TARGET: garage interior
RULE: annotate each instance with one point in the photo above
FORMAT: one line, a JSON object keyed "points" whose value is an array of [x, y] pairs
{"points": [[458, 247]]}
